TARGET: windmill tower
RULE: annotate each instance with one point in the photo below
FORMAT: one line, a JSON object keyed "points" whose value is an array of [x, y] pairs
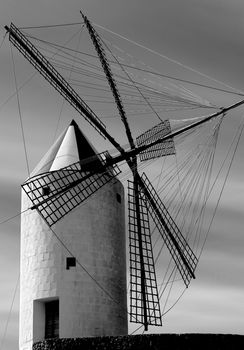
{"points": [[62, 289]]}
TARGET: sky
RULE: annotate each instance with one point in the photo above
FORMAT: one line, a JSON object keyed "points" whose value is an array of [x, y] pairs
{"points": [[206, 36]]}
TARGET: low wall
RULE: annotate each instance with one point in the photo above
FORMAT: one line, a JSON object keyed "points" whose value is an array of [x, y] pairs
{"points": [[147, 342]]}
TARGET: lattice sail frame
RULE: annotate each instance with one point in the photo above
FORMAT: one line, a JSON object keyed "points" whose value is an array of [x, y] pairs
{"points": [[164, 148], [54, 194], [181, 252], [151, 290]]}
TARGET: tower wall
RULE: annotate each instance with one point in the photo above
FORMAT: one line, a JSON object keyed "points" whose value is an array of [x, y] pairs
{"points": [[92, 295]]}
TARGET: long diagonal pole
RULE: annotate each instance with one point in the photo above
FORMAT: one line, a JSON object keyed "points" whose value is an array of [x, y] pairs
{"points": [[132, 162], [139, 149]]}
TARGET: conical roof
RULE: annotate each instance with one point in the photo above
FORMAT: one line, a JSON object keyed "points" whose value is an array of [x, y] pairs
{"points": [[71, 146]]}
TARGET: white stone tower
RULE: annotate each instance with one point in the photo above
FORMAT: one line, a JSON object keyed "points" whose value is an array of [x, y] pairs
{"points": [[67, 297]]}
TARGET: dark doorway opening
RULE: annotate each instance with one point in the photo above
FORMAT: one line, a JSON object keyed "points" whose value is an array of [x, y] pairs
{"points": [[52, 319]]}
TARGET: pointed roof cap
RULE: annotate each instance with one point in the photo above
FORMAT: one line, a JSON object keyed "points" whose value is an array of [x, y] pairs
{"points": [[71, 146]]}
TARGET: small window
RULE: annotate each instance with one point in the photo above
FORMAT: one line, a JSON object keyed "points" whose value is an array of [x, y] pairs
{"points": [[52, 319], [118, 196], [70, 262], [46, 191]]}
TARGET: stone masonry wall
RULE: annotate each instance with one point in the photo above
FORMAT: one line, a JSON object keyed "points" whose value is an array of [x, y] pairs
{"points": [[147, 342]]}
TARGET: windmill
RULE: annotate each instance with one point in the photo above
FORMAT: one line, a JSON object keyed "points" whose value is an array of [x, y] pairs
{"points": [[143, 199]]}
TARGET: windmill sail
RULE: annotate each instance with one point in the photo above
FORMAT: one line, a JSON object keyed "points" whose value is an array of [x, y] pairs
{"points": [[164, 148], [182, 254], [56, 193], [158, 132], [55, 189], [142, 264], [52, 76]]}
